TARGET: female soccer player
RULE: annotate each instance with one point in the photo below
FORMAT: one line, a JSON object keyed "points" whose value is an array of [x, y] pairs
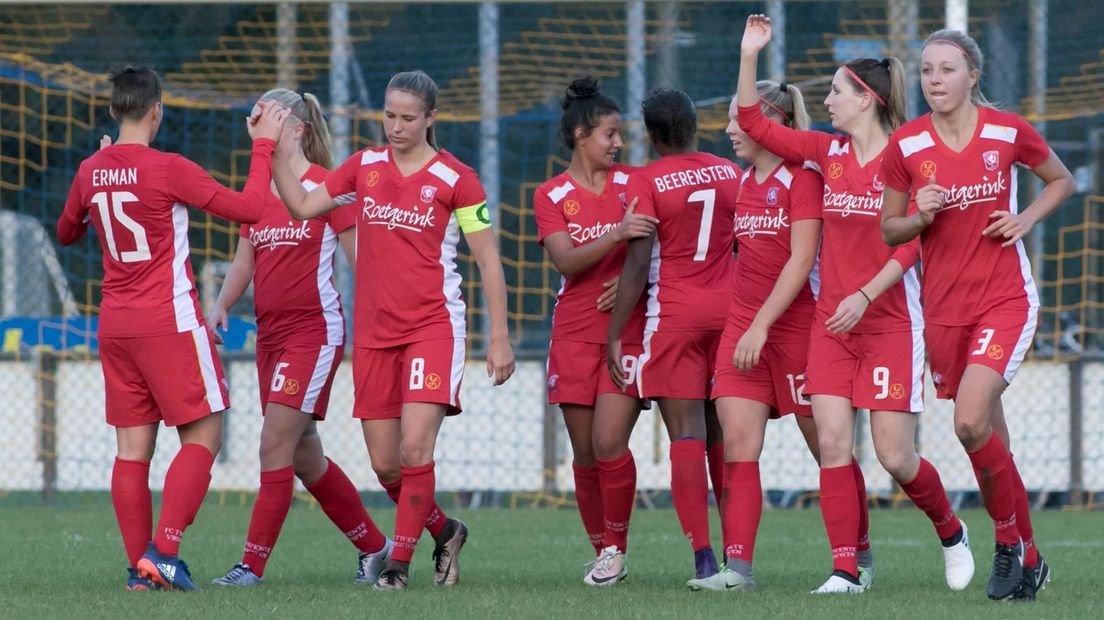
{"points": [[157, 356], [688, 263], [413, 201], [866, 349], [300, 340], [980, 302], [583, 222], [761, 361]]}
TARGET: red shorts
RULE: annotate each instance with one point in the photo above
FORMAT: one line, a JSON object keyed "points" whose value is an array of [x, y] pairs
{"points": [[677, 364], [777, 380], [298, 376], [577, 372], [429, 371], [999, 340], [176, 378], [880, 372]]}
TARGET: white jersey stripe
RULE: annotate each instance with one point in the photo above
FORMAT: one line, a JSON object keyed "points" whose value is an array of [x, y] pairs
{"points": [[911, 281], [207, 370], [999, 132], [1028, 333], [556, 194], [916, 400], [372, 157], [915, 144], [454, 301], [620, 178], [784, 176], [184, 307], [457, 372], [318, 378], [446, 174], [327, 294]]}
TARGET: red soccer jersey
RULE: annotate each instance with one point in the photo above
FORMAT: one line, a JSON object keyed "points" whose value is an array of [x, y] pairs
{"points": [[293, 291], [965, 273], [137, 199], [561, 206], [764, 213], [851, 249], [408, 288], [693, 196]]}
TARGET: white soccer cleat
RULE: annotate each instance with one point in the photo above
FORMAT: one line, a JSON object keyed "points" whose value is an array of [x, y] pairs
{"points": [[724, 581], [958, 562], [239, 576], [370, 565], [609, 568], [839, 585]]}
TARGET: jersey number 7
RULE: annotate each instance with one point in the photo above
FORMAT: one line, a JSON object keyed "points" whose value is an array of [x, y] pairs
{"points": [[708, 197]]}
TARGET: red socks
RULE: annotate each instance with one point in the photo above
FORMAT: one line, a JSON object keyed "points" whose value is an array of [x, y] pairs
{"points": [[926, 491], [130, 494], [269, 513], [415, 502], [994, 471], [588, 496], [841, 515], [714, 454], [864, 508], [1023, 517], [743, 508], [185, 487], [435, 522], [340, 500], [617, 480], [690, 490]]}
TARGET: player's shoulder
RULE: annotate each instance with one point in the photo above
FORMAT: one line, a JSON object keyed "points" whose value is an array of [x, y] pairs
{"points": [[372, 155], [557, 188], [913, 137], [450, 169], [314, 176], [799, 173], [619, 174], [1000, 125]]}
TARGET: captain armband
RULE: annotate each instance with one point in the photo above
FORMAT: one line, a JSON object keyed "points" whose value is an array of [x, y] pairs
{"points": [[474, 218]]}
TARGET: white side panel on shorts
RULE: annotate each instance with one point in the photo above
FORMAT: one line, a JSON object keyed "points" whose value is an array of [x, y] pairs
{"points": [[318, 378], [207, 368], [456, 374], [916, 399]]}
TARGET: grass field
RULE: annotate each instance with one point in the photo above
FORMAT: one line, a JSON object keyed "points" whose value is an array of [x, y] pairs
{"points": [[66, 562]]}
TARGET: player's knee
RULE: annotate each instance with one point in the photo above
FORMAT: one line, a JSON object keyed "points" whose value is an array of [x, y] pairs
{"points": [[897, 462], [609, 447], [309, 466], [971, 432], [414, 453]]}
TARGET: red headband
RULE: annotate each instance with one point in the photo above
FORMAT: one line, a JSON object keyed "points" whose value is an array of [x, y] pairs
{"points": [[780, 111], [859, 81], [969, 60]]}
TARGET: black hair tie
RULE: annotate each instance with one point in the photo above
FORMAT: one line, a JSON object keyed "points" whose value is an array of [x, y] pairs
{"points": [[784, 87]]}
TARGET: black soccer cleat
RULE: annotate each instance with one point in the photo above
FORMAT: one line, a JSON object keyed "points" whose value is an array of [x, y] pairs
{"points": [[1035, 578], [1006, 580]]}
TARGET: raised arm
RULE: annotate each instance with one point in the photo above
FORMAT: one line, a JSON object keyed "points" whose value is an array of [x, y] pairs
{"points": [[787, 143]]}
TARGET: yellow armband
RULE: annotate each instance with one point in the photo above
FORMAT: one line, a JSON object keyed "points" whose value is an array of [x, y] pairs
{"points": [[474, 218]]}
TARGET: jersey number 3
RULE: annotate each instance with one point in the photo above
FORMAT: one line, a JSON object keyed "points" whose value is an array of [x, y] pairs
{"points": [[141, 250]]}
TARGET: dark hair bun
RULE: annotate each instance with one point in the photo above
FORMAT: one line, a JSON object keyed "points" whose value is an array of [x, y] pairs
{"points": [[583, 87]]}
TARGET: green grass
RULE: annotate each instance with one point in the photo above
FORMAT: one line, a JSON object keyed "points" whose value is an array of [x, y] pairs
{"points": [[67, 562]]}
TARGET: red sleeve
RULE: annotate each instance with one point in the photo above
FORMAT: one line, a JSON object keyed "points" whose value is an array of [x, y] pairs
{"points": [[640, 189], [550, 218], [789, 144], [342, 218], [806, 196], [73, 222], [1031, 148], [468, 191], [344, 179], [192, 185], [893, 171], [907, 254]]}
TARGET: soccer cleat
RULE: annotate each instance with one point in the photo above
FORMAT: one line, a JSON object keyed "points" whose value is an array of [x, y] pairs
{"points": [[139, 584], [391, 580], [1007, 576], [608, 568], [726, 580], [167, 571], [841, 583], [240, 575], [371, 564], [446, 556], [958, 562], [1035, 578], [866, 568]]}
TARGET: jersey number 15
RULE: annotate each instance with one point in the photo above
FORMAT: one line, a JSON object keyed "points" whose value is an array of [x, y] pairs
{"points": [[141, 250]]}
